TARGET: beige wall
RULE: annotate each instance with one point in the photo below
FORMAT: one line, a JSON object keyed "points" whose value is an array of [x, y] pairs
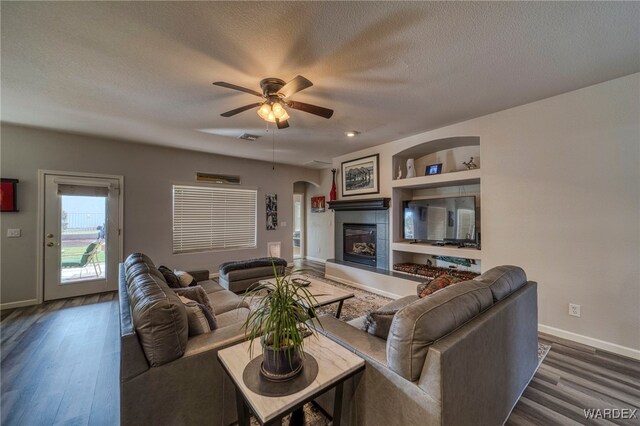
{"points": [[561, 198], [149, 173]]}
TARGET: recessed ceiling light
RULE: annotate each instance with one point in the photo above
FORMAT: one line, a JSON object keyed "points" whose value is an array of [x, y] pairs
{"points": [[351, 133]]}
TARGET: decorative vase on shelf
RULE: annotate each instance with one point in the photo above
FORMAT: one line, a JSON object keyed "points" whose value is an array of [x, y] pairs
{"points": [[399, 173], [411, 168], [333, 195]]}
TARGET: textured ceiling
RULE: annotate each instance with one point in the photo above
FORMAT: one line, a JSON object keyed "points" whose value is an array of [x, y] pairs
{"points": [[142, 71]]}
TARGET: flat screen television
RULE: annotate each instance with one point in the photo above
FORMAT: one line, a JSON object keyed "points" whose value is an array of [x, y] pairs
{"points": [[449, 220]]}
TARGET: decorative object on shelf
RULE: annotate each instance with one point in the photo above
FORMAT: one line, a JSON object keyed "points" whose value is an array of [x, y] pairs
{"points": [[433, 169], [216, 178], [399, 172], [470, 164], [360, 176], [275, 319], [411, 168], [317, 204], [333, 195], [9, 195], [271, 201]]}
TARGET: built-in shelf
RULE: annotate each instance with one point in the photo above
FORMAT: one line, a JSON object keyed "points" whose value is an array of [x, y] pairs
{"points": [[421, 248], [465, 177]]}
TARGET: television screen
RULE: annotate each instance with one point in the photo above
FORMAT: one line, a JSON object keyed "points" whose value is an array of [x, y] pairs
{"points": [[450, 219]]}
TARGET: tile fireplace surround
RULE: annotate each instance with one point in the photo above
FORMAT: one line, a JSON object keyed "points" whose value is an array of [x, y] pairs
{"points": [[366, 212]]}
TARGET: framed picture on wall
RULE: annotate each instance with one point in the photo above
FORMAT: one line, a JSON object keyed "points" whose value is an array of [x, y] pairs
{"points": [[9, 195], [318, 204], [360, 176], [271, 201]]}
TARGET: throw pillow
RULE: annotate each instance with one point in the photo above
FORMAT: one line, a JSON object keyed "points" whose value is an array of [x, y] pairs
{"points": [[378, 321], [199, 320], [438, 283], [199, 295], [185, 279], [169, 277]]}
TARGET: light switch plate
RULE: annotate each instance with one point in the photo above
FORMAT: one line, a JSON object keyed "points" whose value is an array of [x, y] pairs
{"points": [[14, 233]]}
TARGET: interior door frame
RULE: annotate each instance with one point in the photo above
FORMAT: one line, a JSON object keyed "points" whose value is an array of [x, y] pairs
{"points": [[303, 224], [40, 226]]}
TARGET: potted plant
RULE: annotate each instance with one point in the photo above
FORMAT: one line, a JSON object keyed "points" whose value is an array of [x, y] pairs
{"points": [[280, 309]]}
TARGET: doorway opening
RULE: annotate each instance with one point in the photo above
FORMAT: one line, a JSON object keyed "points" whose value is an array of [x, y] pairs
{"points": [[298, 226]]}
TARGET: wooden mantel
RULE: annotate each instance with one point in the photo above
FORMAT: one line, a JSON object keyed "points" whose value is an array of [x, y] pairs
{"points": [[363, 204]]}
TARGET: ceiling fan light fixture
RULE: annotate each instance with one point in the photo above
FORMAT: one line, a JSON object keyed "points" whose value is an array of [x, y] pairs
{"points": [[265, 111]]}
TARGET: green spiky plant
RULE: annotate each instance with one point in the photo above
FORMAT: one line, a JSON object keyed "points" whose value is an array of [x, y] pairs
{"points": [[278, 315]]}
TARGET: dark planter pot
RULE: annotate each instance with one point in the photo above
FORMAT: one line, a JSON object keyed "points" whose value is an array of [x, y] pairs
{"points": [[276, 365]]}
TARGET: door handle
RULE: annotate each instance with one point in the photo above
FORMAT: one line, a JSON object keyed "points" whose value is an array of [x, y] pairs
{"points": [[49, 235], [51, 244]]}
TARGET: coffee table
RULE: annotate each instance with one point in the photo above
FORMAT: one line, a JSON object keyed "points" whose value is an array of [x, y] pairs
{"points": [[325, 294], [335, 365]]}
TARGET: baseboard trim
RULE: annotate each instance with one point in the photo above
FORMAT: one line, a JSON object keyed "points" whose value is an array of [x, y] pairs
{"points": [[316, 259], [590, 341], [18, 304], [363, 287]]}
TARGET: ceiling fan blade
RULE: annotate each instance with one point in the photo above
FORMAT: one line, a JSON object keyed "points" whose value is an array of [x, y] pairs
{"points": [[239, 88], [239, 110], [294, 86], [282, 124], [312, 109]]}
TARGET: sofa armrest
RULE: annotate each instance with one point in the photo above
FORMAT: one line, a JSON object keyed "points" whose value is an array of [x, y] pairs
{"points": [[199, 275], [358, 341], [218, 339]]}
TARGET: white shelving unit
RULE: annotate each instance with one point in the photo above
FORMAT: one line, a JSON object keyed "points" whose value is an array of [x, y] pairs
{"points": [[466, 177], [419, 248], [406, 189]]}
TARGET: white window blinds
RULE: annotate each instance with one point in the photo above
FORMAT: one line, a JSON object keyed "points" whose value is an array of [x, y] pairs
{"points": [[206, 218]]}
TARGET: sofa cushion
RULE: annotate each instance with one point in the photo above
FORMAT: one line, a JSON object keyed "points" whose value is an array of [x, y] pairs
{"points": [[185, 279], [134, 258], [199, 318], [197, 294], [438, 283], [210, 286], [159, 318], [225, 301], [378, 321], [234, 317], [141, 269], [169, 277], [503, 280], [416, 326]]}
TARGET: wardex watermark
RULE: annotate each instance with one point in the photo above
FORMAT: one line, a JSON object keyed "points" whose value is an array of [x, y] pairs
{"points": [[611, 413]]}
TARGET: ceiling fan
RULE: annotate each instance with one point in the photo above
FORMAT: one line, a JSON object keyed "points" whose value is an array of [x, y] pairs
{"points": [[275, 95]]}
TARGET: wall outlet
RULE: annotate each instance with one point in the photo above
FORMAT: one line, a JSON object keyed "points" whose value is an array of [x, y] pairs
{"points": [[574, 310], [318, 250], [14, 233]]}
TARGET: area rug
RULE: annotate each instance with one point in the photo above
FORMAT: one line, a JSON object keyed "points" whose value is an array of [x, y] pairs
{"points": [[355, 307]]}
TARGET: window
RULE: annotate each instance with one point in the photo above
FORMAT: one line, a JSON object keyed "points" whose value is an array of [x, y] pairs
{"points": [[206, 218]]}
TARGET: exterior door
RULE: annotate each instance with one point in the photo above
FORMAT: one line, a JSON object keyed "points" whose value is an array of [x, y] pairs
{"points": [[298, 226], [81, 235]]}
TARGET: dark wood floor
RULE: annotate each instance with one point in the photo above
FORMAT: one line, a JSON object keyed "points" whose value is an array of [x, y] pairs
{"points": [[60, 364]]}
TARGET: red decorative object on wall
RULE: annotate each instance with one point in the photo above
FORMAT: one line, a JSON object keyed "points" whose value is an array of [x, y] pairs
{"points": [[333, 195], [8, 195]]}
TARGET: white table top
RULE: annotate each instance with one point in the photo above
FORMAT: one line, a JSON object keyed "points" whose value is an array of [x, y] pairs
{"points": [[334, 363], [324, 293]]}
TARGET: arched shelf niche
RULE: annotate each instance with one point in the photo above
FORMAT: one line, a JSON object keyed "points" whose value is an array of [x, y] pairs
{"points": [[451, 152]]}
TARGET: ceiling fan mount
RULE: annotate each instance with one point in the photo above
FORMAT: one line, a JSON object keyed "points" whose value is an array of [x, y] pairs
{"points": [[271, 86], [275, 95]]}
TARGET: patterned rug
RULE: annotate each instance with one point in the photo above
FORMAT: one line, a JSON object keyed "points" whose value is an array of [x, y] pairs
{"points": [[355, 307]]}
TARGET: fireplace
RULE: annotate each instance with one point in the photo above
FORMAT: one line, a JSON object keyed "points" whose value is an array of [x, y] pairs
{"points": [[359, 242]]}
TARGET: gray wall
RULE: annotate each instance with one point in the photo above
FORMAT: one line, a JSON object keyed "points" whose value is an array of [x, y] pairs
{"points": [[149, 173]]}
